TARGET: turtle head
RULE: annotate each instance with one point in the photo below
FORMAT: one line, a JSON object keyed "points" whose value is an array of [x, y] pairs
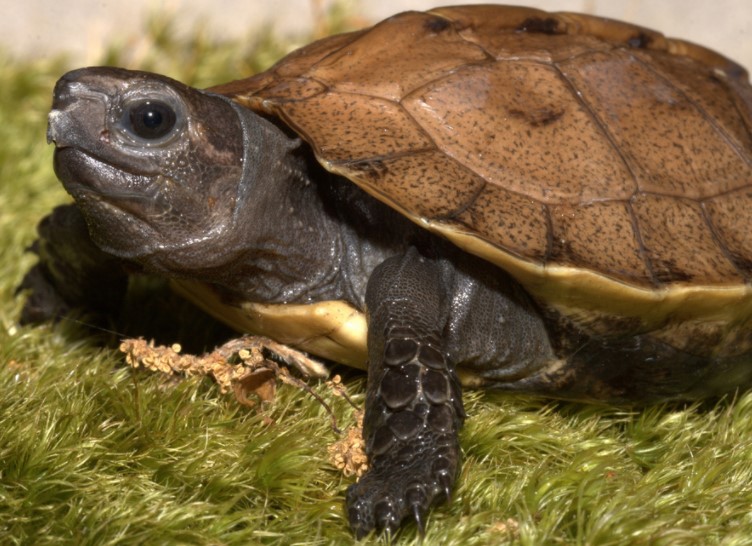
{"points": [[155, 166]]}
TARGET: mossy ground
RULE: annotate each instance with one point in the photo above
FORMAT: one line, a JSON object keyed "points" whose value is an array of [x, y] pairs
{"points": [[94, 453]]}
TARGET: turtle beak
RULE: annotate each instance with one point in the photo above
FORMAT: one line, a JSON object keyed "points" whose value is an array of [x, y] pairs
{"points": [[58, 120], [74, 103]]}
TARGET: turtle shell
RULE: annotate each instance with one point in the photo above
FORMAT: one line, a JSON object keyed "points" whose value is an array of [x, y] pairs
{"points": [[604, 166]]}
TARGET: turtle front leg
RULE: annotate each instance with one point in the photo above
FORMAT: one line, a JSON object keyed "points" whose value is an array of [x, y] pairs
{"points": [[413, 407], [72, 272]]}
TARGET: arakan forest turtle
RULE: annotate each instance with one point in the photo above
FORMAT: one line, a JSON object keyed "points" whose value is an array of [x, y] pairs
{"points": [[484, 196]]}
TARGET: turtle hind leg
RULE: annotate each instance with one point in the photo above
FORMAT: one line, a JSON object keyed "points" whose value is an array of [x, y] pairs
{"points": [[413, 406]]}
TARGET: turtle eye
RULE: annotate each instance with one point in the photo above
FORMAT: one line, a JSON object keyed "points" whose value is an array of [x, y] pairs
{"points": [[150, 119]]}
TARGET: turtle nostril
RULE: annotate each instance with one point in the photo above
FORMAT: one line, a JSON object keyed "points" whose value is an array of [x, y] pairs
{"points": [[52, 118]]}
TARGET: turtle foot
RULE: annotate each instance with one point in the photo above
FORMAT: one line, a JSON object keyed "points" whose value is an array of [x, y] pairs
{"points": [[72, 272], [403, 483]]}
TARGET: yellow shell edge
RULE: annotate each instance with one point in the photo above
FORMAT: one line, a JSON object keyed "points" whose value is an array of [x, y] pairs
{"points": [[585, 295], [330, 329]]}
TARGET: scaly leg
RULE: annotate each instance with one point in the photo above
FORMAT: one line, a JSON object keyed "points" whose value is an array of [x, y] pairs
{"points": [[414, 405]]}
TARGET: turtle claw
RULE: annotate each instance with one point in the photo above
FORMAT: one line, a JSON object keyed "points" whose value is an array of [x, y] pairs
{"points": [[386, 517], [445, 484], [397, 489], [418, 517], [417, 500]]}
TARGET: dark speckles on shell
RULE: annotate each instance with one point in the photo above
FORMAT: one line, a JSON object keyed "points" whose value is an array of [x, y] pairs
{"points": [[390, 130], [545, 25], [579, 235], [675, 228], [540, 116], [729, 214], [431, 168], [640, 40], [437, 24], [558, 139]]}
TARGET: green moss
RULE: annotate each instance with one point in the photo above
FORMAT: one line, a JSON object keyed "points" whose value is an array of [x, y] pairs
{"points": [[93, 453]]}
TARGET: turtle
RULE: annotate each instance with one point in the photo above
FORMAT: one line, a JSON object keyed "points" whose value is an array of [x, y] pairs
{"points": [[468, 197]]}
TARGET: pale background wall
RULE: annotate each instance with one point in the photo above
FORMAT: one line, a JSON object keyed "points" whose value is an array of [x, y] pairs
{"points": [[34, 28]]}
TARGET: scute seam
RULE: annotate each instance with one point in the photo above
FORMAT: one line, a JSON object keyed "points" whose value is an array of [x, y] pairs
{"points": [[743, 273], [641, 244]]}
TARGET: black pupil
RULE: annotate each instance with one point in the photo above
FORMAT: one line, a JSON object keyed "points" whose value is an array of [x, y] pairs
{"points": [[152, 119]]}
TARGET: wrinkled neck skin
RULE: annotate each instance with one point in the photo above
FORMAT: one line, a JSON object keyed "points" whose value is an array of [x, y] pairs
{"points": [[293, 237]]}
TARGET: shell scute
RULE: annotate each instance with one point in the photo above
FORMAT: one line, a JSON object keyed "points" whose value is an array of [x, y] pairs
{"points": [[395, 57], [454, 186], [516, 125], [673, 230], [344, 137], [581, 232], [519, 223]]}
